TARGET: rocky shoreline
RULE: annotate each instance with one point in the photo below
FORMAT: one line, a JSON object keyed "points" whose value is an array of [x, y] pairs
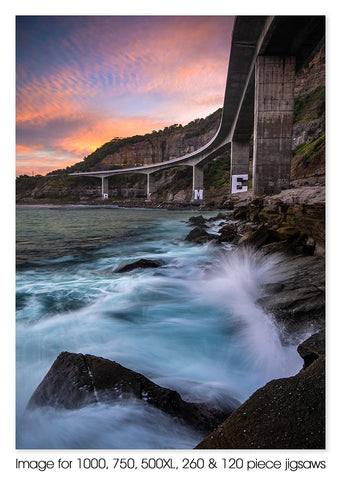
{"points": [[288, 412], [285, 413], [290, 226]]}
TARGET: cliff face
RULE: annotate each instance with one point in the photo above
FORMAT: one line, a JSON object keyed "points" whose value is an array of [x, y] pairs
{"points": [[157, 149], [313, 74], [308, 139]]}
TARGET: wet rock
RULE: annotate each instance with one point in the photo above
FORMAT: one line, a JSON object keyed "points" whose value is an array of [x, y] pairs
{"points": [[228, 204], [312, 348], [295, 211], [241, 212], [258, 238], [288, 413], [200, 235], [198, 221], [290, 239], [223, 216], [301, 301], [276, 247], [244, 227], [227, 233], [75, 380], [310, 219], [285, 232], [142, 263]]}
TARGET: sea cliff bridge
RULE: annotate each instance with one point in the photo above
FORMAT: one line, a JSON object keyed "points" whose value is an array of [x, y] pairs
{"points": [[266, 52]]}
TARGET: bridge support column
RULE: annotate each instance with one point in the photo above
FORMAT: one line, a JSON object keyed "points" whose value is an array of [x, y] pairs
{"points": [[105, 188], [240, 152], [150, 185], [274, 109], [198, 183]]}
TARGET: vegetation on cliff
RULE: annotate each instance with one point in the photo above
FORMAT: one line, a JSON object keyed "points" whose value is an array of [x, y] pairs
{"points": [[308, 156], [310, 106], [308, 152]]}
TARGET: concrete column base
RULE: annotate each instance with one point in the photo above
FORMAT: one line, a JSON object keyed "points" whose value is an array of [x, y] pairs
{"points": [[240, 152], [105, 188], [150, 185], [198, 184]]}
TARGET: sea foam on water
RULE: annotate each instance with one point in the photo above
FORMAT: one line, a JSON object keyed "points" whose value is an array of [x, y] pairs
{"points": [[192, 325]]}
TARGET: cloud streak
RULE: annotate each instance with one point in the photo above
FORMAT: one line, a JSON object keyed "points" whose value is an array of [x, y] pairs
{"points": [[84, 80]]}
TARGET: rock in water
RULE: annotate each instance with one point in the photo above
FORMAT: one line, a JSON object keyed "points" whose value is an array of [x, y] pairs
{"points": [[228, 233], [197, 221], [142, 263], [199, 235], [75, 380]]}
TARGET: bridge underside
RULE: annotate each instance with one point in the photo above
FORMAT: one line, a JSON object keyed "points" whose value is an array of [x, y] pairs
{"points": [[197, 182], [265, 54]]}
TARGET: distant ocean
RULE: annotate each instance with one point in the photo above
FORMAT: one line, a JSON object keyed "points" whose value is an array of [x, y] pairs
{"points": [[191, 325]]}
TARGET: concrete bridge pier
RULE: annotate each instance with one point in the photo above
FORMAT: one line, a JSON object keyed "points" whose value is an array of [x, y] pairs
{"points": [[150, 185], [105, 188], [239, 174], [273, 120], [198, 183]]}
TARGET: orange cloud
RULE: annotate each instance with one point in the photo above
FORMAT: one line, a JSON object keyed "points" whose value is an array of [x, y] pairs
{"points": [[86, 140], [115, 76], [24, 149]]}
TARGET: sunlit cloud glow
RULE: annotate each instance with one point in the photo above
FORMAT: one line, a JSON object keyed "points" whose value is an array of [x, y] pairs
{"points": [[82, 81]]}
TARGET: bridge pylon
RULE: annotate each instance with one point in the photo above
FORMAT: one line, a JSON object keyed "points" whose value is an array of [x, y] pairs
{"points": [[273, 122], [105, 187], [150, 185], [198, 183], [239, 173]]}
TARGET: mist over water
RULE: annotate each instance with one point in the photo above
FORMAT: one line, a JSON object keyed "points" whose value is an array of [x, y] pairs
{"points": [[192, 325]]}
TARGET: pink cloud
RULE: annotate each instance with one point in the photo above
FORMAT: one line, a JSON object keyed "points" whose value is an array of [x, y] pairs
{"points": [[119, 77]]}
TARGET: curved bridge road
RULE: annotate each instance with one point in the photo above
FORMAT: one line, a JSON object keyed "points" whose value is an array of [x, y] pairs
{"points": [[266, 52]]}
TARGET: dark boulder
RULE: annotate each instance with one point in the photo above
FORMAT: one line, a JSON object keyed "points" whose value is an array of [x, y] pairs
{"points": [[221, 216], [262, 236], [197, 221], [276, 247], [241, 212], [75, 380], [143, 263], [288, 413], [199, 235], [228, 204], [282, 237], [228, 233]]}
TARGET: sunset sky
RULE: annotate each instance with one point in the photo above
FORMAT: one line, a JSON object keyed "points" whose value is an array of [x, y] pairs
{"points": [[83, 80]]}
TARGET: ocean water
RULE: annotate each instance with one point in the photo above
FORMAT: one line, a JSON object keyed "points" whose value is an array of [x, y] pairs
{"points": [[192, 324]]}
